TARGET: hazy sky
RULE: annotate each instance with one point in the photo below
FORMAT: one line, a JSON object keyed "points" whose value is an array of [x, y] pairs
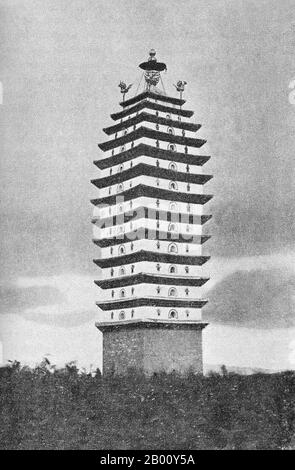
{"points": [[61, 63]]}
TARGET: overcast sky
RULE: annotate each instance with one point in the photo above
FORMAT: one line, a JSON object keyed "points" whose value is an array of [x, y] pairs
{"points": [[61, 63]]}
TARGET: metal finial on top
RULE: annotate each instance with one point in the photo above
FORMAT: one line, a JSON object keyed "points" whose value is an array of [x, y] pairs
{"points": [[152, 69], [152, 54]]}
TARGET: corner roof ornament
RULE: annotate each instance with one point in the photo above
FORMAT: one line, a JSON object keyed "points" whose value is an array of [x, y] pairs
{"points": [[180, 87], [124, 88], [152, 69]]}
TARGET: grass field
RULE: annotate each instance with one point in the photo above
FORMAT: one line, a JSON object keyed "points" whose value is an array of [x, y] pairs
{"points": [[48, 408]]}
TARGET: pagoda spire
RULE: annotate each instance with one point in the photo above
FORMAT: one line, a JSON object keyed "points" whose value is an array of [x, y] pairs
{"points": [[152, 70]]}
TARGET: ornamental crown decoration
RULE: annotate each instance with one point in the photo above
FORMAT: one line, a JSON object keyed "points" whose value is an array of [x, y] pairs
{"points": [[152, 69]]}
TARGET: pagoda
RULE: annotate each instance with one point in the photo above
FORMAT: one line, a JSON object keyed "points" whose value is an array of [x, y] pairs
{"points": [[148, 220]]}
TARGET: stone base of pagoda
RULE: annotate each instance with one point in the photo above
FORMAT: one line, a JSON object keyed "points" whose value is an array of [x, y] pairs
{"points": [[152, 346]]}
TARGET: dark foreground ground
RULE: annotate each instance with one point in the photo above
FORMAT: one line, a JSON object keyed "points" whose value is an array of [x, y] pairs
{"points": [[44, 408]]}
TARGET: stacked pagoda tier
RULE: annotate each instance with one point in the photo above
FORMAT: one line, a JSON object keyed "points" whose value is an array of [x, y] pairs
{"points": [[149, 213]]}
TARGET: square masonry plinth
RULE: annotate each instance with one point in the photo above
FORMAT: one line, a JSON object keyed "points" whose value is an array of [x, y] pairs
{"points": [[152, 346]]}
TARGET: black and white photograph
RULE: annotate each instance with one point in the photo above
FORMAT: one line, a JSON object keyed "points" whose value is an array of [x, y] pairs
{"points": [[147, 207]]}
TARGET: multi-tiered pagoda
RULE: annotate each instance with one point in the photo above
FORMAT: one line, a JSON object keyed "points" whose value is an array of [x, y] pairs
{"points": [[148, 227]]}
